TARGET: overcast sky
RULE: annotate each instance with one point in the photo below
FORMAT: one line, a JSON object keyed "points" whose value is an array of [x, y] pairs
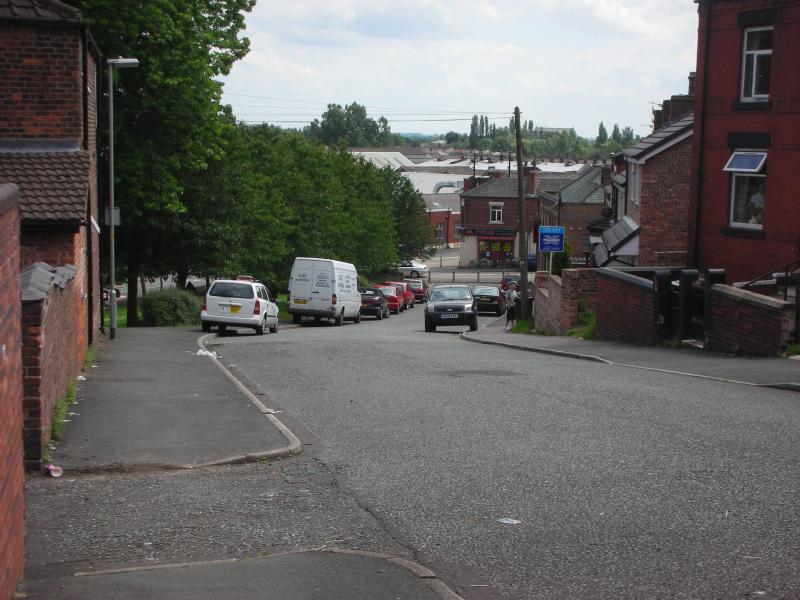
{"points": [[565, 63]]}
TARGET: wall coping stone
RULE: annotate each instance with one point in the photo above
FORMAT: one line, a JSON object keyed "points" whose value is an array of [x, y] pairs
{"points": [[752, 298], [624, 276], [39, 278], [9, 197]]}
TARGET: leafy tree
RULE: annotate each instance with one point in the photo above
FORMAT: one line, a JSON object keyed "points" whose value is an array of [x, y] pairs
{"points": [[561, 260], [602, 135], [168, 118], [473, 132], [616, 135]]}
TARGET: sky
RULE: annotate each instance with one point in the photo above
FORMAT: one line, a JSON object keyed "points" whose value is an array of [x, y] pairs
{"points": [[429, 65]]}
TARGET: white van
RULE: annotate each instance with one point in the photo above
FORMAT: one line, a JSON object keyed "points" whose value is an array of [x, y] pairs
{"points": [[324, 288]]}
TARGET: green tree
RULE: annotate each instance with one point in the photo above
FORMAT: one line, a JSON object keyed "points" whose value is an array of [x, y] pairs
{"points": [[473, 132], [562, 260], [602, 135], [616, 135], [168, 118]]}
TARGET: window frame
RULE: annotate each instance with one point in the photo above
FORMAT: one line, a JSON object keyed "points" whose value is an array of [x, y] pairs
{"points": [[756, 170], [735, 175], [753, 96], [496, 206]]}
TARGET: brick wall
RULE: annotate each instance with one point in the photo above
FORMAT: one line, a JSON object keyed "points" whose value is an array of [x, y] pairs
{"points": [[40, 82], [748, 323], [12, 506], [626, 310], [664, 211], [558, 299], [52, 350], [52, 245]]}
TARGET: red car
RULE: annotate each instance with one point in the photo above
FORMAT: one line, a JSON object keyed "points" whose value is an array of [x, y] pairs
{"points": [[405, 293], [419, 288], [393, 298]]}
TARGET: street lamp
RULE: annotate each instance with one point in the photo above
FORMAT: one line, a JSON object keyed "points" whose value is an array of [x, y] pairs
{"points": [[120, 63]]}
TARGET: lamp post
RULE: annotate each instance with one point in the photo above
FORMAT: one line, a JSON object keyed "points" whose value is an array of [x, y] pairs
{"points": [[120, 63]]}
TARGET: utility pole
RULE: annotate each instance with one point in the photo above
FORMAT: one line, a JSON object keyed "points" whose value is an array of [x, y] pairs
{"points": [[522, 229]]}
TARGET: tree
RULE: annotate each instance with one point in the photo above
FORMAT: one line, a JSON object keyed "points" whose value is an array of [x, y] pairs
{"points": [[602, 135], [473, 132], [616, 135], [168, 113]]}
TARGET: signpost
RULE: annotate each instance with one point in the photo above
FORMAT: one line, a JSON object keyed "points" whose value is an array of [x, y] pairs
{"points": [[551, 239]]}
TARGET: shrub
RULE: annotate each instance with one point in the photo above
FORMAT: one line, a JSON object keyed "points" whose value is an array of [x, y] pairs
{"points": [[562, 260], [169, 308]]}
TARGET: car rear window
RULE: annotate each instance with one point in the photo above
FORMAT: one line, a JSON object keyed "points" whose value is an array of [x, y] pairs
{"points": [[414, 285], [224, 289], [389, 291], [485, 291]]}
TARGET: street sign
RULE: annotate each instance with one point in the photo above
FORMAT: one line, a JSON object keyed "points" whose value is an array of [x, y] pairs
{"points": [[551, 239]]}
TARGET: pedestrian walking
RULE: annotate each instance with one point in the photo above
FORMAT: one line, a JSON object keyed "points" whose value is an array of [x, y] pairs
{"points": [[511, 296]]}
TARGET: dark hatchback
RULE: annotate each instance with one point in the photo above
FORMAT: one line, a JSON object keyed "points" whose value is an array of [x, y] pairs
{"points": [[451, 305], [374, 303], [489, 299]]}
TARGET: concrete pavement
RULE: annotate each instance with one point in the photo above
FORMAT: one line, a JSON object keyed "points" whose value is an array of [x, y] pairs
{"points": [[153, 405], [768, 372]]}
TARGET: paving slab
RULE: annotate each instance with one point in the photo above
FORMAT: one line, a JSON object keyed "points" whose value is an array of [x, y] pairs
{"points": [[152, 401], [294, 576], [778, 372]]}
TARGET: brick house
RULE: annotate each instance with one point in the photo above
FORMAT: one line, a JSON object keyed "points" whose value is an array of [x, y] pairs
{"points": [[444, 217], [746, 144], [48, 120], [650, 196], [490, 218]]}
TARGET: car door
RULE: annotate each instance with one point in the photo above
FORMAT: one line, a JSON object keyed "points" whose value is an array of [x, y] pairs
{"points": [[272, 307]]}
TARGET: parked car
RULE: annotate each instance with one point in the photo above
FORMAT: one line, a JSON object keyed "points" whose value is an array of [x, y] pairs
{"points": [[412, 268], [451, 305], [405, 293], [239, 303], [393, 298], [323, 289], [373, 302], [419, 288], [489, 298]]}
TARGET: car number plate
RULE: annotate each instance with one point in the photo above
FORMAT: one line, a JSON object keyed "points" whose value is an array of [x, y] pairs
{"points": [[451, 316], [301, 301], [234, 309], [224, 308]]}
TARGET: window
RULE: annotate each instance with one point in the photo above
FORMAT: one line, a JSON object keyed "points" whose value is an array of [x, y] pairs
{"points": [[495, 212], [756, 64], [747, 188], [440, 232]]}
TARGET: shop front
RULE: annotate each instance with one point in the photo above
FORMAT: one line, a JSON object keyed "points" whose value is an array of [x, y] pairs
{"points": [[496, 249]]}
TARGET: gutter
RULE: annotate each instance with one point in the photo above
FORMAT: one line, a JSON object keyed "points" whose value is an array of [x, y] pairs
{"points": [[701, 138]]}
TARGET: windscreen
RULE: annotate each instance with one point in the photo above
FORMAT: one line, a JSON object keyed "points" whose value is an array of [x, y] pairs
{"points": [[450, 294]]}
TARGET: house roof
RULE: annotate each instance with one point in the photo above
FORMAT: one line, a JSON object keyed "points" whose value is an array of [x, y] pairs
{"points": [[47, 11], [53, 186], [442, 202], [39, 278], [503, 187], [395, 160], [552, 183], [620, 233], [660, 139], [585, 189]]}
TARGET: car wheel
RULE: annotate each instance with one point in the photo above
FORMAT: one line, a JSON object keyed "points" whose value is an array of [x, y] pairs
{"points": [[397, 310], [206, 326], [260, 328], [339, 319], [379, 316], [414, 274], [429, 325], [499, 311], [295, 318], [473, 325], [358, 318], [221, 327], [274, 328]]}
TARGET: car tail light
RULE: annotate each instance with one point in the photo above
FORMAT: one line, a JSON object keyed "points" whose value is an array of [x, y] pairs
{"points": [[333, 299], [257, 308]]}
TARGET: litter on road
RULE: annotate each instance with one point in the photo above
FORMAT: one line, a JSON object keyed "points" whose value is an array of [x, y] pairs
{"points": [[203, 352], [509, 521]]}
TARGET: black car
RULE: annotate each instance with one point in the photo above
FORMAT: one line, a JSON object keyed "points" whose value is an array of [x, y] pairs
{"points": [[373, 302], [451, 305], [489, 298]]}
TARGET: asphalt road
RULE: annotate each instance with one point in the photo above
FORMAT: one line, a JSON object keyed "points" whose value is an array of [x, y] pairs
{"points": [[626, 484]]}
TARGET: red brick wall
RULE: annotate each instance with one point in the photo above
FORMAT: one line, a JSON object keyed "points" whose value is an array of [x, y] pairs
{"points": [[40, 82], [53, 246], [748, 323], [448, 224], [625, 309], [476, 213], [745, 257], [558, 299], [664, 216], [574, 218], [52, 347], [12, 505]]}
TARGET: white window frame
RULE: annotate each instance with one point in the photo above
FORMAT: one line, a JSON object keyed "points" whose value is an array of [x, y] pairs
{"points": [[496, 206], [755, 170], [737, 175], [751, 96], [635, 183]]}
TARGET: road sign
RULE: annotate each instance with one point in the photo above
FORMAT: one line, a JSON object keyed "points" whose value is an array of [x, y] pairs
{"points": [[551, 239]]}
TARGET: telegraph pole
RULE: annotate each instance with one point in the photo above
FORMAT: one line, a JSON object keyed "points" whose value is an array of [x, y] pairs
{"points": [[522, 229]]}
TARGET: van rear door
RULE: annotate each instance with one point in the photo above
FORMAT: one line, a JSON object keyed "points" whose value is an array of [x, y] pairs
{"points": [[322, 286], [302, 276]]}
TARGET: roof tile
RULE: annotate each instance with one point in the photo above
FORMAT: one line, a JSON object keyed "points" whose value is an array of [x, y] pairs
{"points": [[39, 10]]}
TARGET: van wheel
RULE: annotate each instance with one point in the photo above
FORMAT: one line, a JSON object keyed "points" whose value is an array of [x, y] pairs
{"points": [[295, 318], [339, 319], [206, 326]]}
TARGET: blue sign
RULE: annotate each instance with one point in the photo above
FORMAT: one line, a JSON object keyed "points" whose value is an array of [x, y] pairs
{"points": [[551, 239]]}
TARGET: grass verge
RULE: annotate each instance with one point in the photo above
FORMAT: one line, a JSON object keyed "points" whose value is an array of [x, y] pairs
{"points": [[587, 324], [523, 326]]}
